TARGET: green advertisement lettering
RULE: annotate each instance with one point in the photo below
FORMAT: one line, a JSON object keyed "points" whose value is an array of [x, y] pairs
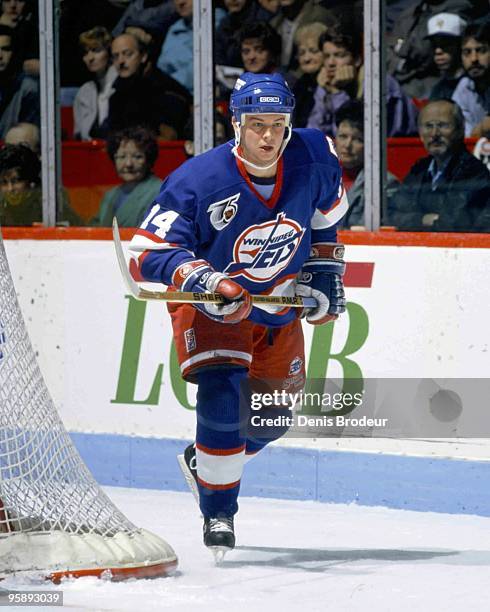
{"points": [[128, 370], [321, 354]]}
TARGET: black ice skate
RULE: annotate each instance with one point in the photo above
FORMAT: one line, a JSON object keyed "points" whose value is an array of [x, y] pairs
{"points": [[219, 536], [188, 465]]}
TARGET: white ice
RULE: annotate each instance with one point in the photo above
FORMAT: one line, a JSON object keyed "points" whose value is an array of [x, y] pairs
{"points": [[301, 556]]}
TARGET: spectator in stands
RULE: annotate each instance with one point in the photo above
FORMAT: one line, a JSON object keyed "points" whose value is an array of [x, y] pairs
{"points": [[77, 16], [91, 105], [350, 148], [21, 200], [150, 41], [144, 95], [227, 39], [134, 152], [21, 16], [176, 57], [292, 15], [19, 93], [260, 47], [310, 59], [21, 192], [227, 48], [26, 134], [482, 151], [267, 9], [409, 50], [444, 32], [472, 93], [153, 16], [450, 189], [341, 79]]}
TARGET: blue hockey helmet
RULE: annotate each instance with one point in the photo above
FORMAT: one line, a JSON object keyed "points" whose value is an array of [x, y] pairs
{"points": [[261, 93]]}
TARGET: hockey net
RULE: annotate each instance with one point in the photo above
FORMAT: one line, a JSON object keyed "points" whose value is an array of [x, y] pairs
{"points": [[54, 518]]}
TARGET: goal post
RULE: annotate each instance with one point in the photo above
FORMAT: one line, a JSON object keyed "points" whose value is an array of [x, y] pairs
{"points": [[54, 517]]}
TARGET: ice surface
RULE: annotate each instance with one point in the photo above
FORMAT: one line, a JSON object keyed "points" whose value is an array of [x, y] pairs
{"points": [[300, 556]]}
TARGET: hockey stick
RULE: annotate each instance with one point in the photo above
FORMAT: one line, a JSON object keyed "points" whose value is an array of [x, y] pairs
{"points": [[190, 297]]}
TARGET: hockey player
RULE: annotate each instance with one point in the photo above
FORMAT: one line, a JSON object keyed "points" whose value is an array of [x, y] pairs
{"points": [[255, 216]]}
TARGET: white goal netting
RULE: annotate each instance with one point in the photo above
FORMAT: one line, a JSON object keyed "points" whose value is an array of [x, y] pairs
{"points": [[54, 517]]}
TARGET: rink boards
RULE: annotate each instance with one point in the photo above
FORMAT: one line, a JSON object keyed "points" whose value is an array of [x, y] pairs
{"points": [[108, 362]]}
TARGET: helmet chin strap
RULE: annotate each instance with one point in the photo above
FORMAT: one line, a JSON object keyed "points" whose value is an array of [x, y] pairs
{"points": [[237, 129]]}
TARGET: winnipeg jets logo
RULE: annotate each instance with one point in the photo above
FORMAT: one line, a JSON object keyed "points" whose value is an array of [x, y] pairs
{"points": [[222, 212], [262, 251], [295, 366]]}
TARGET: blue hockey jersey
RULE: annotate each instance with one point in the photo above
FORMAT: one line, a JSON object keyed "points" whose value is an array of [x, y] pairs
{"points": [[209, 209]]}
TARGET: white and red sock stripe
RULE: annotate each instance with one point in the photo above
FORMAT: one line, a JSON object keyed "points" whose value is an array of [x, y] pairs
{"points": [[219, 468]]}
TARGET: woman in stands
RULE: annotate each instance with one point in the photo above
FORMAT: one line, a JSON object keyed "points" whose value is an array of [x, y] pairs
{"points": [[91, 105], [20, 200], [20, 189], [310, 60], [134, 151]]}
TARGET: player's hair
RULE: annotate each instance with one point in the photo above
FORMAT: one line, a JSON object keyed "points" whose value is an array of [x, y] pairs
{"points": [[478, 31], [457, 112], [21, 158], [144, 139], [309, 30], [352, 43], [262, 31], [96, 37], [352, 112]]}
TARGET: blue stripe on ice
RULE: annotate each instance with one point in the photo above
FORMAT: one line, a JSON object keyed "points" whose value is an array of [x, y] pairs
{"points": [[370, 479]]}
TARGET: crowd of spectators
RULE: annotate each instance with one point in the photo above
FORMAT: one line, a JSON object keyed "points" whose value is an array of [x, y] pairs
{"points": [[127, 70]]}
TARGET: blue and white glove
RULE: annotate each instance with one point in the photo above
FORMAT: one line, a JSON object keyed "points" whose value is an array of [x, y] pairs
{"points": [[321, 278], [199, 277]]}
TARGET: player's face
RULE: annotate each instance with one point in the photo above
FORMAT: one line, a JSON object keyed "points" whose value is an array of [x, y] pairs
{"points": [[350, 146], [261, 138], [255, 57], [476, 58], [5, 52], [126, 56], [334, 57], [96, 59], [130, 162], [438, 129], [310, 56]]}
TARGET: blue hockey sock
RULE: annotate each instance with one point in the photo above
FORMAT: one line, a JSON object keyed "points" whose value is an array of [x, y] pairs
{"points": [[220, 439]]}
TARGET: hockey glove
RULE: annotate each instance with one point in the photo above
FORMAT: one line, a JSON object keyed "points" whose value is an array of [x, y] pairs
{"points": [[321, 278], [199, 277]]}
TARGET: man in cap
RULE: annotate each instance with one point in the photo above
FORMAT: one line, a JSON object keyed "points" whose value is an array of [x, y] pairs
{"points": [[444, 33]]}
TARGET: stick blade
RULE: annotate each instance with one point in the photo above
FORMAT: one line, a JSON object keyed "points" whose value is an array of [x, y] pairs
{"points": [[121, 260]]}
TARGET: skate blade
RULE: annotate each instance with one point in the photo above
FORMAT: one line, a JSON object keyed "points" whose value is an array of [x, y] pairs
{"points": [[219, 553], [191, 483]]}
